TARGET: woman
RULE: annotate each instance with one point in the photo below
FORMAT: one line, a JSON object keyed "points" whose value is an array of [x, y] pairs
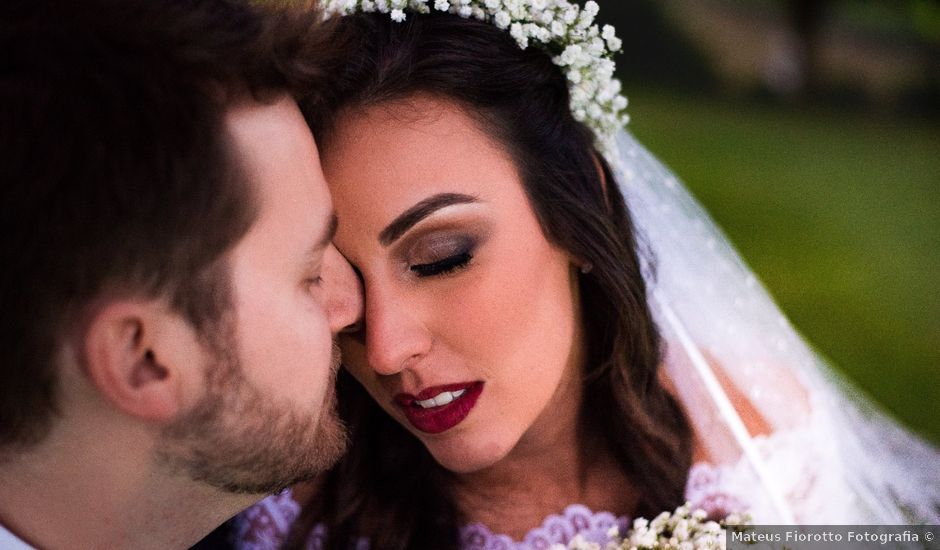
{"points": [[509, 366]]}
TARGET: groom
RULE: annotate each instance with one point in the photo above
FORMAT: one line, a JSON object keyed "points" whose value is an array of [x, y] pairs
{"points": [[169, 290]]}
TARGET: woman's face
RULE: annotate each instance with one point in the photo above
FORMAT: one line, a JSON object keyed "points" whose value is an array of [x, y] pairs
{"points": [[470, 337]]}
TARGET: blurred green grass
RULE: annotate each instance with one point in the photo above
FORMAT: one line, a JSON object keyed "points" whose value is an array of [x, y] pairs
{"points": [[839, 216]]}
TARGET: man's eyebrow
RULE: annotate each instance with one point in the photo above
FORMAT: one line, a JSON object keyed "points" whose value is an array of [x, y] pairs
{"points": [[407, 219], [330, 232]]}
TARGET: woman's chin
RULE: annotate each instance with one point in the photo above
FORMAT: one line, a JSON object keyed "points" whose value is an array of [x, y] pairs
{"points": [[463, 459]]}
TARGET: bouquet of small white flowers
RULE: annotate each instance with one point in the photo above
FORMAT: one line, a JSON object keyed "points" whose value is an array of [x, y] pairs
{"points": [[683, 529]]}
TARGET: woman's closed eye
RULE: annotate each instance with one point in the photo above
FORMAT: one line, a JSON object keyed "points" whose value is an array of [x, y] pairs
{"points": [[440, 254], [444, 266]]}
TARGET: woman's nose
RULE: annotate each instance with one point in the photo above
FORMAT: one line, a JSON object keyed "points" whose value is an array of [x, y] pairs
{"points": [[395, 336], [344, 292]]}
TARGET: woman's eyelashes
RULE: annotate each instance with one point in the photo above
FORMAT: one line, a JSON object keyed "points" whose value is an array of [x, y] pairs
{"points": [[441, 254], [443, 266]]}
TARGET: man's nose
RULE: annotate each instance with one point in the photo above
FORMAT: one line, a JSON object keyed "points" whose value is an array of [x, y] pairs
{"points": [[343, 293]]}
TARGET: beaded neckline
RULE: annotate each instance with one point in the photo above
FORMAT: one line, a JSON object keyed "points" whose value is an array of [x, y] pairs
{"points": [[265, 525], [576, 519]]}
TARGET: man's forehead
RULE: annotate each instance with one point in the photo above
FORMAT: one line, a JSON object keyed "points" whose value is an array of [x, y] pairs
{"points": [[247, 120], [279, 159]]}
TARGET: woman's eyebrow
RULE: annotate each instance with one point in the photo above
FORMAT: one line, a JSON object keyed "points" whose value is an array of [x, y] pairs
{"points": [[407, 219]]}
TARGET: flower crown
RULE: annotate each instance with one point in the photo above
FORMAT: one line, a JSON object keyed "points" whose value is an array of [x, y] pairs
{"points": [[582, 50]]}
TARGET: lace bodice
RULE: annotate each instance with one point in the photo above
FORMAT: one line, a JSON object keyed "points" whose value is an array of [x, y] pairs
{"points": [[265, 525]]}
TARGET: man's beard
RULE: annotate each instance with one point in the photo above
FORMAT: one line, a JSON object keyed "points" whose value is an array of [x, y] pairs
{"points": [[239, 440]]}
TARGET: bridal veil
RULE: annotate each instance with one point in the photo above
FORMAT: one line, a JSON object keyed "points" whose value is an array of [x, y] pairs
{"points": [[781, 425]]}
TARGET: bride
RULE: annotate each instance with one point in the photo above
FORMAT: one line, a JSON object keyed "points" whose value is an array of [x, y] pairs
{"points": [[556, 338]]}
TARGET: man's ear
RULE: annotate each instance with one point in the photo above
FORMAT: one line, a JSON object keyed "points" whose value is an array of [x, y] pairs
{"points": [[132, 353]]}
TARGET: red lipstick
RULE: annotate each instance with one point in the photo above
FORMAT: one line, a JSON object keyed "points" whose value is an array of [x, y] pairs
{"points": [[440, 418]]}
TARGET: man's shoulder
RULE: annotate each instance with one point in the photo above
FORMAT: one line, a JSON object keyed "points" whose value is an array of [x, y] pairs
{"points": [[219, 539]]}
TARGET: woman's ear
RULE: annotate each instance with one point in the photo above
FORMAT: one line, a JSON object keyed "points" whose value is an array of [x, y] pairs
{"points": [[602, 177], [130, 356]]}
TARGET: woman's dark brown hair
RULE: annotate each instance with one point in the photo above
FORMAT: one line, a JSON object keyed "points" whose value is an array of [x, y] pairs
{"points": [[389, 489]]}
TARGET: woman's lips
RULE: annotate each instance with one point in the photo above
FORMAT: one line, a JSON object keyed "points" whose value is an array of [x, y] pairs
{"points": [[438, 409]]}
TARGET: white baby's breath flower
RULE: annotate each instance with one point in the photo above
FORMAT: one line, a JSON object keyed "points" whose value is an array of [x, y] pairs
{"points": [[570, 15], [643, 537], [614, 44], [580, 543], [518, 33], [596, 47], [585, 20], [711, 527], [585, 57], [660, 520], [681, 531], [605, 69], [543, 35], [590, 85], [579, 95], [345, 6], [516, 8], [572, 55]]}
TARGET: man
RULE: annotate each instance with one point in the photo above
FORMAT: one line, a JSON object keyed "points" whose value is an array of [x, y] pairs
{"points": [[169, 290]]}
